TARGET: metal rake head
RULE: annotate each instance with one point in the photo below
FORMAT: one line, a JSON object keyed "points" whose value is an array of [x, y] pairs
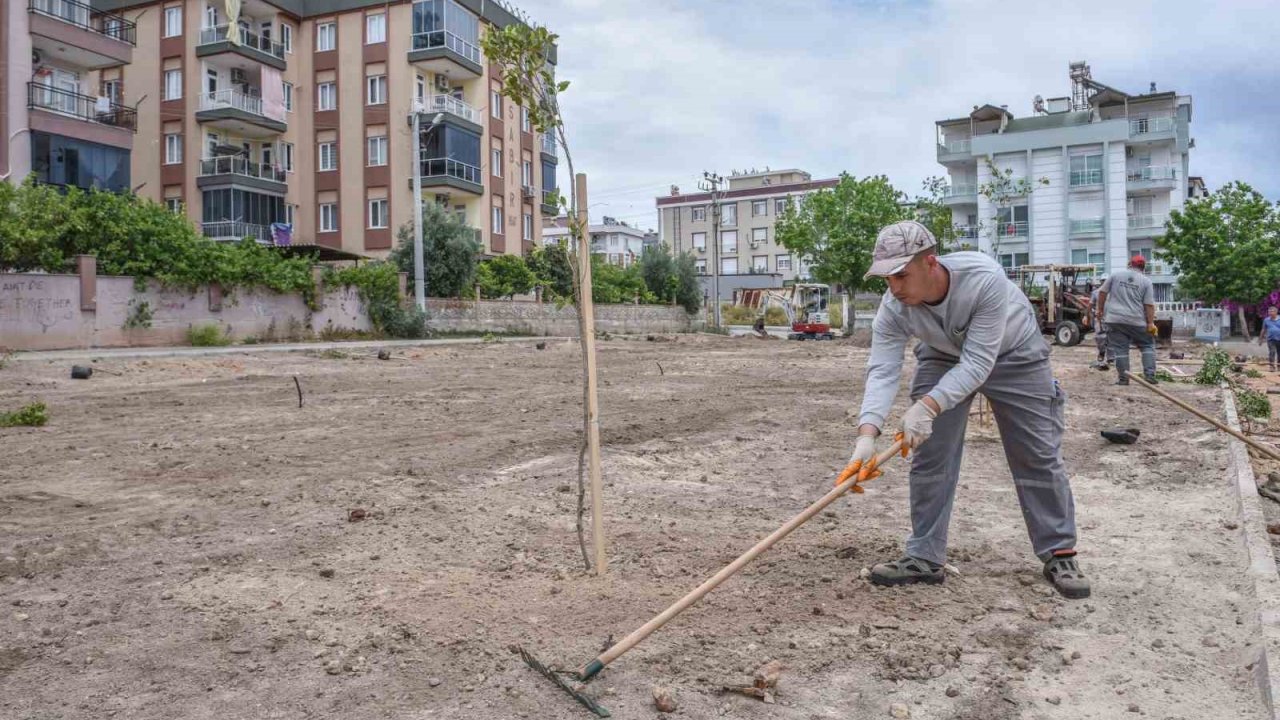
{"points": [[557, 677]]}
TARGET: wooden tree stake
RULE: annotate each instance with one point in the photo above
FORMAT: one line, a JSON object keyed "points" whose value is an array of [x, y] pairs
{"points": [[588, 325]]}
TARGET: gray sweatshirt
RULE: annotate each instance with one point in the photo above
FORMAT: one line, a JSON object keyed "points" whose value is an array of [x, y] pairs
{"points": [[983, 316]]}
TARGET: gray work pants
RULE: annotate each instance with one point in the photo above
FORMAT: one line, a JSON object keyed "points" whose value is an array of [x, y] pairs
{"points": [[1119, 336], [1105, 353], [1028, 407]]}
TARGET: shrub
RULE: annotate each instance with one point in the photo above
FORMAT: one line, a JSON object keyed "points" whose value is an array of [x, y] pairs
{"points": [[379, 286], [1213, 371], [449, 252], [206, 336], [33, 415], [504, 276], [1253, 404]]}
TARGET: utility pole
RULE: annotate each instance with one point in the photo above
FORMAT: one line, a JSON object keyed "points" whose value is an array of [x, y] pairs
{"points": [[419, 272], [711, 183]]}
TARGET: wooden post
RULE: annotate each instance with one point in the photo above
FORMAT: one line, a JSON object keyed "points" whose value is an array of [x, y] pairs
{"points": [[588, 325]]}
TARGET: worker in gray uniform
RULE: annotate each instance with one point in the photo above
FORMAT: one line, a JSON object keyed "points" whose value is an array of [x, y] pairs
{"points": [[1105, 354], [1127, 303], [977, 333]]}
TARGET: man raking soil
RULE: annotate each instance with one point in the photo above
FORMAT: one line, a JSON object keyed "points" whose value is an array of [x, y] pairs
{"points": [[977, 333]]}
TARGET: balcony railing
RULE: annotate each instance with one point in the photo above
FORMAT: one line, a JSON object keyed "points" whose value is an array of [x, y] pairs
{"points": [[1087, 226], [84, 16], [231, 99], [446, 39], [549, 143], [549, 198], [955, 146], [249, 39], [447, 167], [235, 230], [85, 107], [1138, 222], [965, 232], [1143, 126], [1153, 172], [453, 106], [236, 165], [1011, 229], [963, 190], [1081, 178]]}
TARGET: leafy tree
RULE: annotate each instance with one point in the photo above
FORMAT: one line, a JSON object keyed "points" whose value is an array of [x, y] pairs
{"points": [[688, 290], [553, 268], [613, 284], [1225, 247], [658, 269], [450, 252], [835, 229], [1003, 190], [379, 286], [504, 276], [935, 215]]}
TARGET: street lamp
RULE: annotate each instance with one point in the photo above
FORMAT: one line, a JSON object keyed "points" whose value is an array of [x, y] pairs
{"points": [[419, 272]]}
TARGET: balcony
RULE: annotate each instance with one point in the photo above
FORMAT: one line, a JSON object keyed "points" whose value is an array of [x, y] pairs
{"points": [[964, 194], [1006, 230], [1152, 178], [550, 205], [452, 106], [75, 33], [955, 151], [238, 112], [549, 147], [1085, 179], [965, 232], [216, 40], [439, 172], [1144, 226], [1087, 226], [235, 230], [444, 52], [1152, 129], [239, 170], [95, 119]]}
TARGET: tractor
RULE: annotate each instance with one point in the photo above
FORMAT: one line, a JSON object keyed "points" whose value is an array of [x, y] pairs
{"points": [[1062, 307]]}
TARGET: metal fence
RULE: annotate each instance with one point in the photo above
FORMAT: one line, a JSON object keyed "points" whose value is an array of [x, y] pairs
{"points": [[85, 16], [85, 107]]}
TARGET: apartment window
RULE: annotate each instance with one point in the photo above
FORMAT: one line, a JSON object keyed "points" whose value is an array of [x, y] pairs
{"points": [[172, 149], [377, 214], [759, 207], [526, 173], [328, 156], [759, 235], [267, 155], [495, 159], [288, 97], [1012, 221], [1010, 261], [211, 143], [375, 29], [172, 84], [326, 37], [527, 233], [613, 242], [288, 213], [286, 38], [377, 151], [729, 214], [111, 89], [729, 266], [286, 152], [525, 124], [329, 217], [495, 104], [700, 266], [729, 242], [760, 263], [782, 262], [1086, 170], [700, 241], [326, 96], [780, 206], [173, 21], [174, 205], [700, 214], [377, 89], [420, 88], [497, 220], [1082, 256]]}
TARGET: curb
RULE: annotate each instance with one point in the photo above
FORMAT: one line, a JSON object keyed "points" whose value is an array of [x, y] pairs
{"points": [[1262, 563], [156, 352]]}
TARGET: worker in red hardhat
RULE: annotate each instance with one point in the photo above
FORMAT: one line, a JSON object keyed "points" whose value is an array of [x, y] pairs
{"points": [[1127, 303]]}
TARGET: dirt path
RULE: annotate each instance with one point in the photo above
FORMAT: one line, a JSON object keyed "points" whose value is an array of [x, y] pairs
{"points": [[176, 543]]}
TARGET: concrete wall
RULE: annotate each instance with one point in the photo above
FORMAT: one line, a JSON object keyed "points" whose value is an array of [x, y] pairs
{"points": [[547, 319]]}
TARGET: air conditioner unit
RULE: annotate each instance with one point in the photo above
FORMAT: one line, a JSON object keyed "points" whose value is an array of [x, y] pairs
{"points": [[238, 77], [442, 83], [755, 244]]}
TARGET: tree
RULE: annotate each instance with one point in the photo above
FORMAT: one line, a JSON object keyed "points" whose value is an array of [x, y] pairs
{"points": [[1002, 190], [504, 276], [688, 290], [553, 268], [936, 215], [835, 229], [1225, 247], [615, 285], [658, 269], [450, 252]]}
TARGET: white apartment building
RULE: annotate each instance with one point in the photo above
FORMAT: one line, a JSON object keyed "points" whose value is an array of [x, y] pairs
{"points": [[1115, 164], [617, 243]]}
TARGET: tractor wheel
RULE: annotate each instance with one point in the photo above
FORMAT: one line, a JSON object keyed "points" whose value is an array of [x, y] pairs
{"points": [[1067, 333]]}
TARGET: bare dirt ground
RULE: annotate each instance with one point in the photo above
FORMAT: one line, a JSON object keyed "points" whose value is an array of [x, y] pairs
{"points": [[176, 543]]}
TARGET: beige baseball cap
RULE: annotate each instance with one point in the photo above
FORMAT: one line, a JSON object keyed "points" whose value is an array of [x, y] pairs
{"points": [[896, 245]]}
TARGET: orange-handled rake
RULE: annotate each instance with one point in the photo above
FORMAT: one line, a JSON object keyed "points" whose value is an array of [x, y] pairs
{"points": [[849, 479]]}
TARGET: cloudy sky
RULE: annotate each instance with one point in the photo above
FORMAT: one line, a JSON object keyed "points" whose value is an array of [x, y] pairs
{"points": [[664, 89]]}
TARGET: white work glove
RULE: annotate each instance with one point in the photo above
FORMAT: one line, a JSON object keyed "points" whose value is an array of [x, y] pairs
{"points": [[917, 424], [864, 450]]}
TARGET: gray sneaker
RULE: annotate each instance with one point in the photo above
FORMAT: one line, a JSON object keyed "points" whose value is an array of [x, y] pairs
{"points": [[907, 571], [1062, 571]]}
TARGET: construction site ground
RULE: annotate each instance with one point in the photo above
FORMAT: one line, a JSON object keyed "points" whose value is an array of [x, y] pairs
{"points": [[179, 541]]}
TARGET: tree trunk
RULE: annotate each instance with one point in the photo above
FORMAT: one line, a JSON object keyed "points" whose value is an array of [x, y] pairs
{"points": [[1244, 322]]}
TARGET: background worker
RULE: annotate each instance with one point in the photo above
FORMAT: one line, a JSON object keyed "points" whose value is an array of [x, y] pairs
{"points": [[1127, 302], [1105, 355], [977, 333], [1271, 334]]}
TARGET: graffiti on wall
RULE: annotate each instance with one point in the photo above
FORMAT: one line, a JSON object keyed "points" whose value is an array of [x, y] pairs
{"points": [[33, 301]]}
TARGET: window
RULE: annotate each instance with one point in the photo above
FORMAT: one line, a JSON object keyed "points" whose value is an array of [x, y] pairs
{"points": [[729, 266], [527, 227], [1012, 221], [759, 235], [111, 89], [525, 125], [526, 173], [288, 214], [286, 153], [1086, 170], [375, 29], [700, 241], [613, 241], [760, 263], [729, 242], [266, 155], [700, 214], [211, 143], [1014, 260], [326, 37], [328, 156], [288, 97], [759, 207], [729, 214], [59, 160], [172, 149], [173, 21], [210, 16], [782, 262], [377, 151], [495, 104], [377, 89], [377, 214], [700, 266], [286, 38], [1081, 256], [211, 81], [329, 217], [326, 97], [780, 205], [495, 159], [174, 205], [172, 84], [497, 220]]}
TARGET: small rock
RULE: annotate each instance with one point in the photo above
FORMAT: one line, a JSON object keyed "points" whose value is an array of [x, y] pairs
{"points": [[899, 710], [953, 691], [357, 515], [817, 611], [333, 667], [1273, 528], [265, 502], [1230, 525], [238, 649], [434, 682], [384, 354], [1043, 613], [1133, 708], [663, 700], [937, 671], [1053, 700], [166, 595], [22, 616], [1209, 641], [1157, 643], [311, 634], [541, 346], [1075, 655], [326, 573]]}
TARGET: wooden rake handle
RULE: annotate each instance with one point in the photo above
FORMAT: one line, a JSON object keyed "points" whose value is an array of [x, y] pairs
{"points": [[644, 631], [1268, 451]]}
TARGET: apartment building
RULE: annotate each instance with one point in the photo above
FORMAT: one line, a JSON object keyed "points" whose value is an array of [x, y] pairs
{"points": [[289, 121], [748, 211], [1115, 164], [617, 243], [62, 116]]}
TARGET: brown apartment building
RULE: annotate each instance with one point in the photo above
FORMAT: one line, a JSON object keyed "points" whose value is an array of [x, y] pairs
{"points": [[292, 117]]}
